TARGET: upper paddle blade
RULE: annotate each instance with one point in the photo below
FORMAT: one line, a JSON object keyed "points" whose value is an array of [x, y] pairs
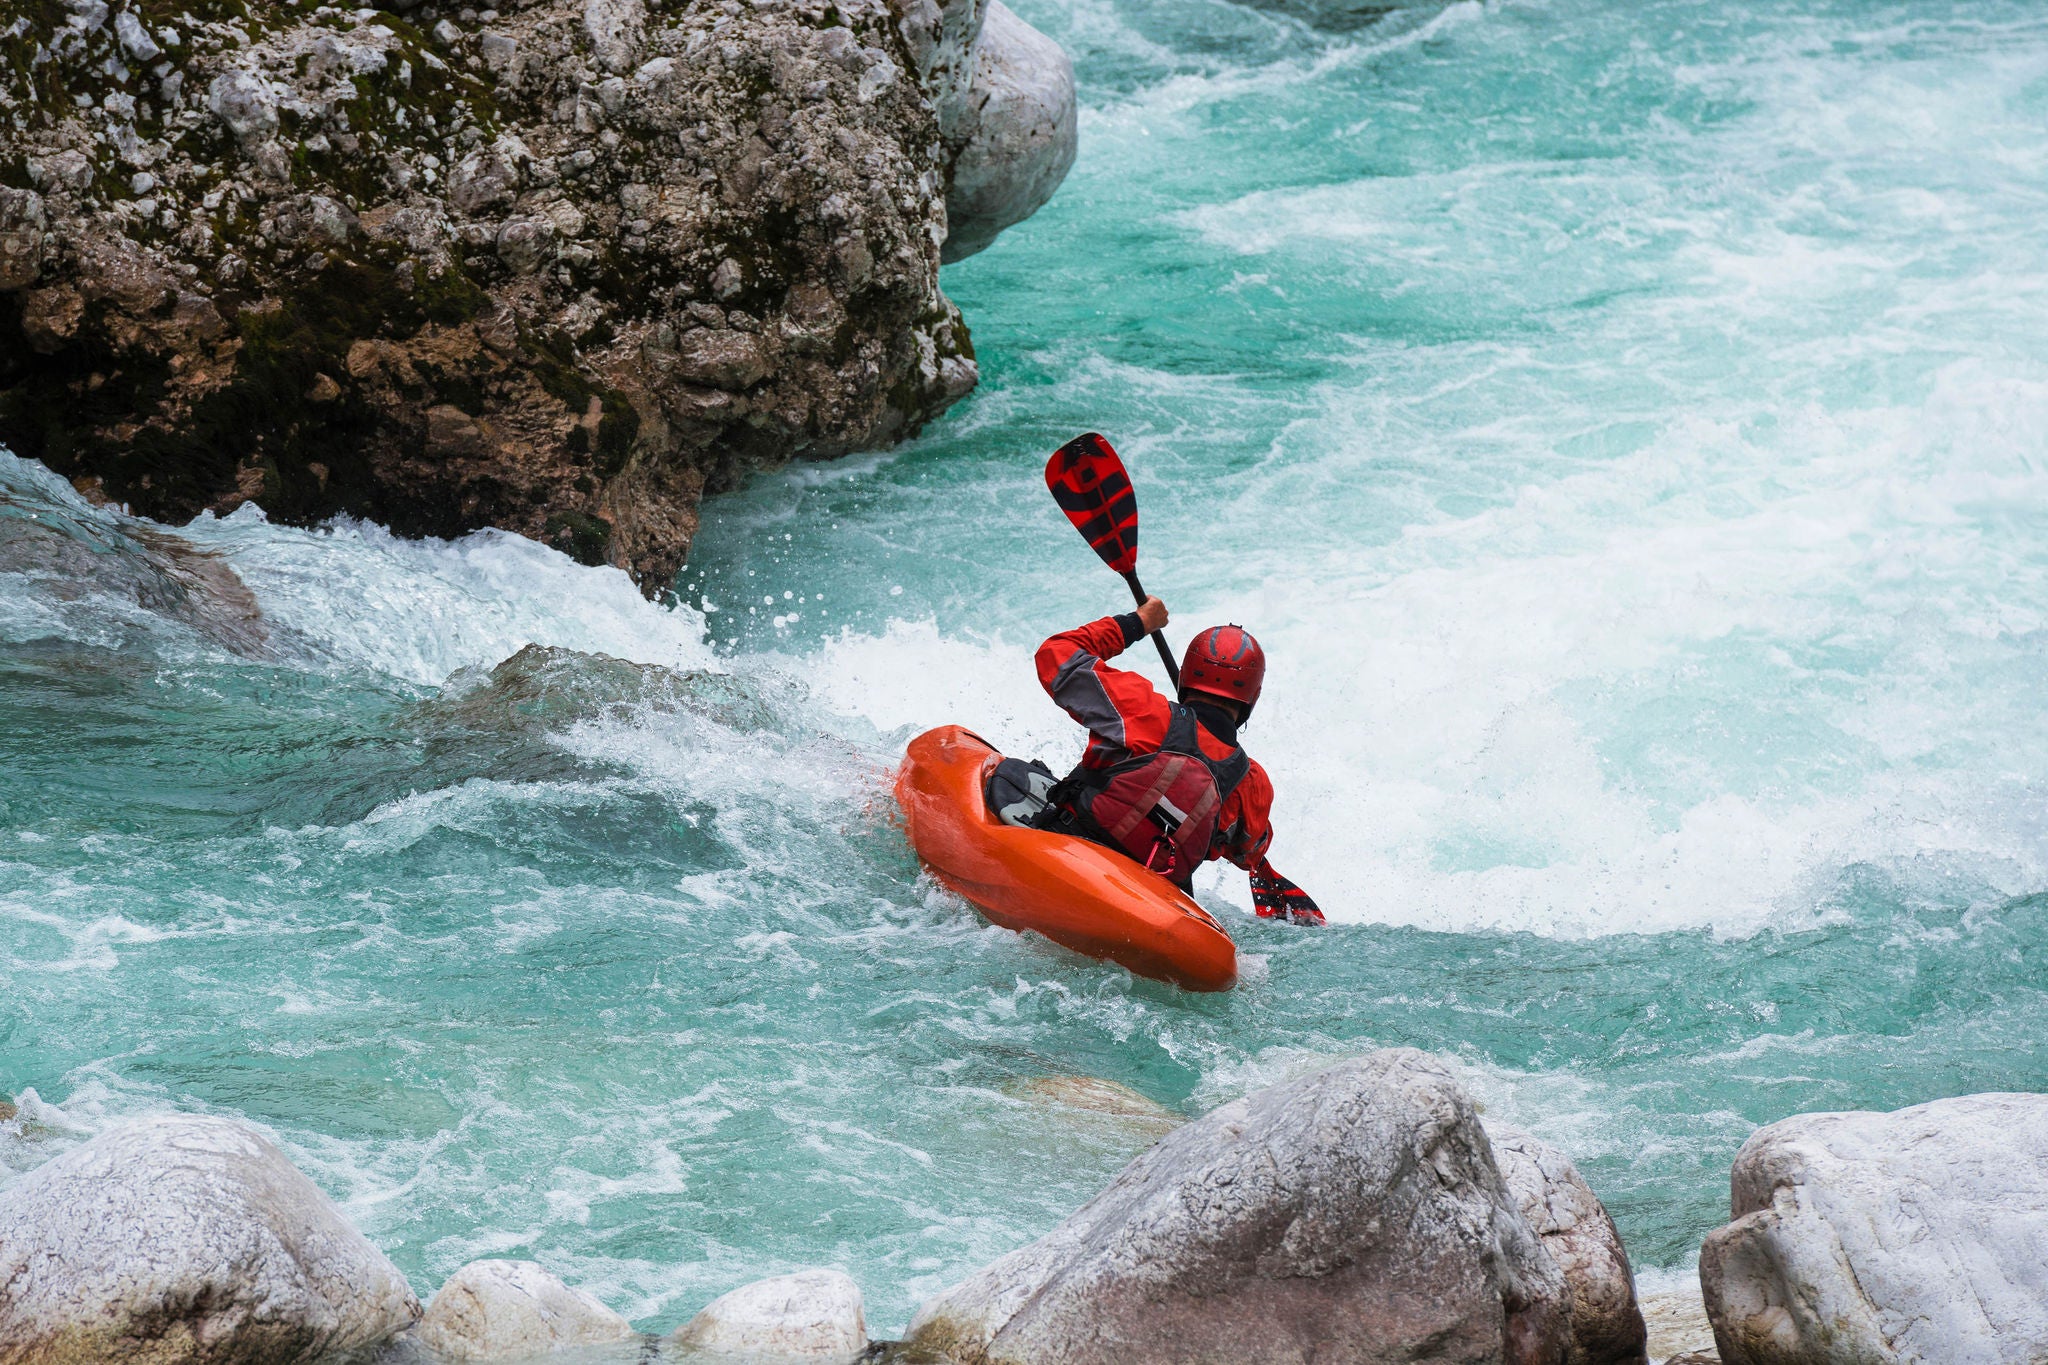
{"points": [[1088, 482]]}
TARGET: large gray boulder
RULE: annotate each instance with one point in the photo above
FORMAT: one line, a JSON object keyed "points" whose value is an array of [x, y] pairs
{"points": [[562, 267], [185, 1239], [1607, 1324], [811, 1316], [1355, 1214], [939, 38], [509, 1310], [1003, 94], [1918, 1235], [1012, 131]]}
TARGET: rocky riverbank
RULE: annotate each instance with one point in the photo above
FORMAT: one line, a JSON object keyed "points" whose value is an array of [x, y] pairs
{"points": [[1363, 1212], [562, 266]]}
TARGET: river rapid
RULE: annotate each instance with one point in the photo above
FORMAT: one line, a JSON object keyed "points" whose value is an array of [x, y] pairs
{"points": [[1624, 423]]}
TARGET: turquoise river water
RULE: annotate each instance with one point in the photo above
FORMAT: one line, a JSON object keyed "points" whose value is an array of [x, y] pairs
{"points": [[1623, 420]]}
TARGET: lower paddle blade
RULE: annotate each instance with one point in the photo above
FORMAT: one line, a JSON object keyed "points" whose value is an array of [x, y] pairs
{"points": [[1089, 483]]}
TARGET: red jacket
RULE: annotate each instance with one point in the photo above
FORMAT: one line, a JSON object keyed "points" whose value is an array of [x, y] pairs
{"points": [[1126, 715]]}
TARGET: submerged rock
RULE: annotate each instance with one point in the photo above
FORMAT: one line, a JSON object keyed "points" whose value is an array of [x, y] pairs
{"points": [[1916, 1235], [813, 1315], [1607, 1325], [185, 1238], [63, 550], [560, 269], [1094, 1095], [1355, 1214], [502, 1310]]}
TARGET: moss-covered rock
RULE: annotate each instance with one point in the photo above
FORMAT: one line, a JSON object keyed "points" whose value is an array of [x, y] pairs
{"points": [[559, 267]]}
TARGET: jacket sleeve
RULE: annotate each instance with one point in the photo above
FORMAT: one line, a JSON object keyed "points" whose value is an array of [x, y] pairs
{"points": [[1121, 710], [1245, 829]]}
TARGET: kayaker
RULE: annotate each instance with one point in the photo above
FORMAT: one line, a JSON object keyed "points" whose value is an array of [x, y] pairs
{"points": [[1162, 781]]}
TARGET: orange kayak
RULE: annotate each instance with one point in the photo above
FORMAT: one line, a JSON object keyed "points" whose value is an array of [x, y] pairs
{"points": [[1078, 894]]}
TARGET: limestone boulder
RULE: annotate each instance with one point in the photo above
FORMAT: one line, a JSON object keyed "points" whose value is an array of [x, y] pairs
{"points": [[640, 251], [186, 1239], [1354, 1214], [506, 1310], [939, 37], [1917, 1235], [1013, 130], [811, 1316], [1607, 1324]]}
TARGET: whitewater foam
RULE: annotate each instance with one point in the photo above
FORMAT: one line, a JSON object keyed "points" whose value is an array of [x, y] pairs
{"points": [[419, 610]]}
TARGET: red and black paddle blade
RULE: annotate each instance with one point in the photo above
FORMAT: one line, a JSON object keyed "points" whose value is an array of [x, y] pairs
{"points": [[1089, 483]]}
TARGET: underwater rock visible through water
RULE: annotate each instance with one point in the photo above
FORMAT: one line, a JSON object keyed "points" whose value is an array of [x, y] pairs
{"points": [[186, 1238], [1094, 1095], [1915, 1235], [810, 1316], [1356, 1213], [501, 1310], [72, 551]]}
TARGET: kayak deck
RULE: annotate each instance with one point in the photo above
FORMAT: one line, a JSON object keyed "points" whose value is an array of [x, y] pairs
{"points": [[1076, 893]]}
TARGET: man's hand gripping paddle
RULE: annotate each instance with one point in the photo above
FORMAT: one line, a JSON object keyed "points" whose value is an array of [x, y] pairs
{"points": [[1089, 483]]}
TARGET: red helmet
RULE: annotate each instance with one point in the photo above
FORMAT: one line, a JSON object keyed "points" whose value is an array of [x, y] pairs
{"points": [[1225, 661]]}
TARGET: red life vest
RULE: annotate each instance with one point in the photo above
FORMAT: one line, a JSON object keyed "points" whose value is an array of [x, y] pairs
{"points": [[1161, 808]]}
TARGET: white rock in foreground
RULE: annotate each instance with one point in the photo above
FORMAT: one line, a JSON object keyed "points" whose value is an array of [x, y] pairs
{"points": [[1607, 1325], [495, 1310], [813, 1315], [1355, 1214], [184, 1238], [1919, 1235]]}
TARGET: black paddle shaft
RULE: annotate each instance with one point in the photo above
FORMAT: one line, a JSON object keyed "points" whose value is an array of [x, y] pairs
{"points": [[1165, 654]]}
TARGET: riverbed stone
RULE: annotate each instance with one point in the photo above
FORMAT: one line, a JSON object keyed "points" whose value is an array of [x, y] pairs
{"points": [[1093, 1095], [502, 1310], [810, 1316], [1916, 1235], [1676, 1317], [1353, 1214], [186, 1238], [1607, 1324]]}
